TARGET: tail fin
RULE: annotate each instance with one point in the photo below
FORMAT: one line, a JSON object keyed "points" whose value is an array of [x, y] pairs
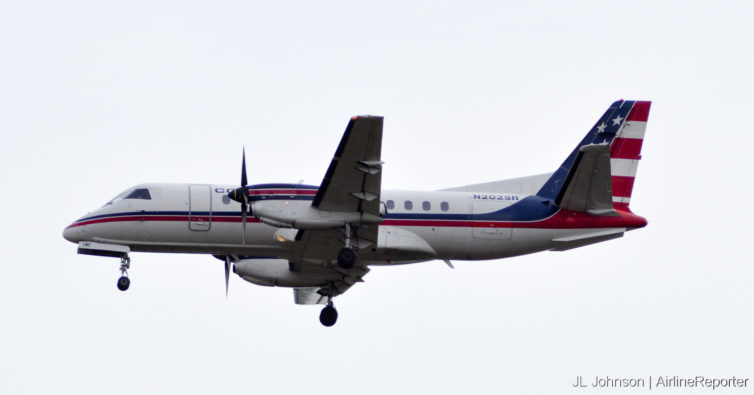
{"points": [[625, 153], [621, 128]]}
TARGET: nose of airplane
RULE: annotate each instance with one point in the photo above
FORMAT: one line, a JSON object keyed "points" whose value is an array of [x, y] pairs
{"points": [[71, 234]]}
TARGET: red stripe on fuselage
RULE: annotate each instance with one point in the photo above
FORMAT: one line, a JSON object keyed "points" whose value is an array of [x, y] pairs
{"points": [[626, 148], [160, 218], [563, 219], [640, 112], [291, 192]]}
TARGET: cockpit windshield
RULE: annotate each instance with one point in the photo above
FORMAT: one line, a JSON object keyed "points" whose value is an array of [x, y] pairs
{"points": [[138, 193]]}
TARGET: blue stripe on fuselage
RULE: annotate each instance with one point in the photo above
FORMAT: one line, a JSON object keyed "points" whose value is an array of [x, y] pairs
{"points": [[529, 209]]}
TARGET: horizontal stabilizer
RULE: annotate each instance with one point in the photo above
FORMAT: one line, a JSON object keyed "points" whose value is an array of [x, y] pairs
{"points": [[589, 184], [570, 242]]}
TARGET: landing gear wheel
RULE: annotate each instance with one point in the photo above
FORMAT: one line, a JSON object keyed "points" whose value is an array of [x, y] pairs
{"points": [[123, 283], [346, 258], [328, 316]]}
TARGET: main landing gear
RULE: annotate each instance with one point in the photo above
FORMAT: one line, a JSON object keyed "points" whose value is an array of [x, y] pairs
{"points": [[346, 258], [329, 315], [124, 282], [347, 255]]}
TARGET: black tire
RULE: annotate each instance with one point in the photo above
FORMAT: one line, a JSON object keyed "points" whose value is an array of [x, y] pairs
{"points": [[328, 316], [123, 283], [346, 258]]}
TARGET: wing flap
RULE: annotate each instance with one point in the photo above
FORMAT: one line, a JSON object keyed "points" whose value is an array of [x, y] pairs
{"points": [[401, 241], [308, 296], [320, 295]]}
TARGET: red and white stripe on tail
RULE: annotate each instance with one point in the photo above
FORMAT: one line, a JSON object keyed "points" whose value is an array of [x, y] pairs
{"points": [[625, 153]]}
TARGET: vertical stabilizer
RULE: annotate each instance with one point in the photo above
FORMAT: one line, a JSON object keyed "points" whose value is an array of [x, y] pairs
{"points": [[621, 128], [625, 153]]}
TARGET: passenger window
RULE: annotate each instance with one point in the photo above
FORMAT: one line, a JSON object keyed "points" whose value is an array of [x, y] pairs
{"points": [[409, 205], [226, 199], [141, 193], [426, 205], [444, 206], [390, 204]]}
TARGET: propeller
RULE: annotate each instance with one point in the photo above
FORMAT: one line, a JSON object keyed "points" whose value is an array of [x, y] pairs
{"points": [[241, 195], [227, 274]]}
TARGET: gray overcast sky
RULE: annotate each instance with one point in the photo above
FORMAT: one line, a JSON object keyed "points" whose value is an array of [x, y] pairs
{"points": [[96, 97]]}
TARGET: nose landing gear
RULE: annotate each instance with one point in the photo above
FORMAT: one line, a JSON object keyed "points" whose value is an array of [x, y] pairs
{"points": [[124, 282]]}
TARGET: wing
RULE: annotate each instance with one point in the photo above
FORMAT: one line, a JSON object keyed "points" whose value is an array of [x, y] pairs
{"points": [[352, 184], [353, 180]]}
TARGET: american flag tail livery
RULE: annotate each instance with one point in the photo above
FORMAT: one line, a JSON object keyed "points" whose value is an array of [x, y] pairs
{"points": [[625, 152], [598, 176]]}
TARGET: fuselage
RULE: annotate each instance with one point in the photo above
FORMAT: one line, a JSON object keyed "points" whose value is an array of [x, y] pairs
{"points": [[414, 225], [321, 240]]}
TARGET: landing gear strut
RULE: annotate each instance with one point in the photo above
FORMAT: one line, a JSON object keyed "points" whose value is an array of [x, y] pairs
{"points": [[329, 315], [347, 255], [124, 282]]}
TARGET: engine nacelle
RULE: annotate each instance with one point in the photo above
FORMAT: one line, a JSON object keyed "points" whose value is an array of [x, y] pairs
{"points": [[301, 215], [276, 272]]}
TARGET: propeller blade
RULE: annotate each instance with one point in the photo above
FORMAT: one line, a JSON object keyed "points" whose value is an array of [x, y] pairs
{"points": [[227, 274], [243, 169], [243, 221], [241, 195], [246, 203]]}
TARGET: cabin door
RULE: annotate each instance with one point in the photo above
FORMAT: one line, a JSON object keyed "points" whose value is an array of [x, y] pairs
{"points": [[200, 207]]}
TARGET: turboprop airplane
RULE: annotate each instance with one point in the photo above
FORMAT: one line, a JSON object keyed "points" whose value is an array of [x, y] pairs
{"points": [[321, 240]]}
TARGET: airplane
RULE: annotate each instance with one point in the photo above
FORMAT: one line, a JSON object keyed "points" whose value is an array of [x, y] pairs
{"points": [[321, 240]]}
